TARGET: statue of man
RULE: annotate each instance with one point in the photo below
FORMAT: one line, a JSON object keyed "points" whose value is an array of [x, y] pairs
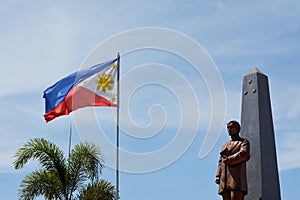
{"points": [[231, 173]]}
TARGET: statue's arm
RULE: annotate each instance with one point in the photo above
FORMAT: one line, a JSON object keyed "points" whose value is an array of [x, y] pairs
{"points": [[242, 155]]}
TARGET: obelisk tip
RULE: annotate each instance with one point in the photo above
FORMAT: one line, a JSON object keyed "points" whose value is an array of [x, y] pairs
{"points": [[255, 70]]}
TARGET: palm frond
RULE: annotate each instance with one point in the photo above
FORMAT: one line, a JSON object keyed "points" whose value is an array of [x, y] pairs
{"points": [[48, 154], [100, 189], [58, 178], [85, 162], [41, 183]]}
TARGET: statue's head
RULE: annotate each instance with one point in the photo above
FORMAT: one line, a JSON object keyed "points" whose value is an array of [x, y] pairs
{"points": [[233, 127]]}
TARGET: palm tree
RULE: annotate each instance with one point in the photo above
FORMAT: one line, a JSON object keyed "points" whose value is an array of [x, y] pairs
{"points": [[98, 190], [58, 177]]}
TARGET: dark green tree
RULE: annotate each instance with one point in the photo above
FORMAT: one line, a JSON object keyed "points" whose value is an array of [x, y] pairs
{"points": [[58, 177], [98, 190]]}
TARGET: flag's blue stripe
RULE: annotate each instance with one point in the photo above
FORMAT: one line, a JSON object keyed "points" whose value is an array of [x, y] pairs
{"points": [[56, 93]]}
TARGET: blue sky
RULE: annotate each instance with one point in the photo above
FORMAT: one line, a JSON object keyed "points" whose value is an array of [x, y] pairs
{"points": [[43, 42]]}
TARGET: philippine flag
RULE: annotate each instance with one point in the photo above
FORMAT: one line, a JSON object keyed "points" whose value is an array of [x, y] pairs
{"points": [[96, 86]]}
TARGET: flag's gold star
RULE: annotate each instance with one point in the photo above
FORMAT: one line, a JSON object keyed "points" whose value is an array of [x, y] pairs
{"points": [[85, 82], [104, 82], [114, 99], [114, 65]]}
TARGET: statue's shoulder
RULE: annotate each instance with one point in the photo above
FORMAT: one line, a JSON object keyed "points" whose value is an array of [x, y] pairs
{"points": [[225, 145], [244, 140]]}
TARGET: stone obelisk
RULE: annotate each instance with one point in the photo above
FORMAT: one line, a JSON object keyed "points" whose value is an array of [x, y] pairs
{"points": [[257, 127]]}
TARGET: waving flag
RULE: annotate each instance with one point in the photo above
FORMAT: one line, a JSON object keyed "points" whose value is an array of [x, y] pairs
{"points": [[95, 86]]}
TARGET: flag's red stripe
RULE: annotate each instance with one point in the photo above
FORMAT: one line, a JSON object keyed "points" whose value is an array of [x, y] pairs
{"points": [[78, 97]]}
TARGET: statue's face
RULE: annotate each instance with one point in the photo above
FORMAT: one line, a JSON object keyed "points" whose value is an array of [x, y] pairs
{"points": [[232, 129]]}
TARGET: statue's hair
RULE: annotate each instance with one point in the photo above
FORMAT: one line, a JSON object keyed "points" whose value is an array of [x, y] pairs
{"points": [[234, 122]]}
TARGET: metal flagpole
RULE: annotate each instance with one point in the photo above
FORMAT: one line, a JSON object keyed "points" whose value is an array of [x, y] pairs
{"points": [[70, 142], [118, 120], [70, 139]]}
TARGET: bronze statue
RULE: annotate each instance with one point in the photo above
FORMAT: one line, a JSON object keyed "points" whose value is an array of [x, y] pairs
{"points": [[231, 174]]}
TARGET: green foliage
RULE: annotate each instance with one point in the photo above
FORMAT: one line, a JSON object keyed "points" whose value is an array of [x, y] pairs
{"points": [[58, 177], [98, 190], [85, 163], [41, 183]]}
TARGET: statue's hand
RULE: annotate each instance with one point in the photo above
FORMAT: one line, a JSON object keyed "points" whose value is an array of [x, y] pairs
{"points": [[226, 161]]}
